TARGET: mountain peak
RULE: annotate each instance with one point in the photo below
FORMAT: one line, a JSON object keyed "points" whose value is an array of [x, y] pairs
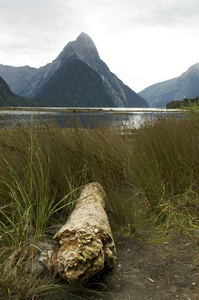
{"points": [[84, 47], [78, 72], [191, 71], [84, 36], [178, 88], [193, 67]]}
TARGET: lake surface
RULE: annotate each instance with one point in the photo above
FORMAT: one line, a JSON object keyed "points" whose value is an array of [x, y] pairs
{"points": [[87, 117]]}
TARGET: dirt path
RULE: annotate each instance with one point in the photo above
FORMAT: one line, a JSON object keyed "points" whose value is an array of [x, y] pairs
{"points": [[146, 269]]}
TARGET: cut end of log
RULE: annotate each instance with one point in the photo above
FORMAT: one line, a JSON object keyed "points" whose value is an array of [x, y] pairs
{"points": [[85, 245]]}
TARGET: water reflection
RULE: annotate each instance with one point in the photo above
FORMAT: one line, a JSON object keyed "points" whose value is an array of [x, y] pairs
{"points": [[71, 118]]}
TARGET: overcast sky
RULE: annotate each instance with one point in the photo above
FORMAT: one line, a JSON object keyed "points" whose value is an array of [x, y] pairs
{"points": [[143, 42]]}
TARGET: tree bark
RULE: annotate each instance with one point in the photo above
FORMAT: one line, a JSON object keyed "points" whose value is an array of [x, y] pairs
{"points": [[85, 245]]}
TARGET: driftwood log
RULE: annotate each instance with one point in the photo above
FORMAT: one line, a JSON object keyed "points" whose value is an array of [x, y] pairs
{"points": [[85, 245]]}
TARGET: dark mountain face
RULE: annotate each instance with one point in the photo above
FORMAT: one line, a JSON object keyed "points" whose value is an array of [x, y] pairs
{"points": [[186, 85], [122, 95], [17, 77], [40, 83], [77, 86], [7, 98]]}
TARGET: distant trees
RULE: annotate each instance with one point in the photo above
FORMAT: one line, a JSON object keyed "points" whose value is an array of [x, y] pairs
{"points": [[185, 103]]}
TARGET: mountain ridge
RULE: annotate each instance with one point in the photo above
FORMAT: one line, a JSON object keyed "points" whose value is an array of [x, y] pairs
{"points": [[178, 88], [8, 98], [71, 90], [82, 49]]}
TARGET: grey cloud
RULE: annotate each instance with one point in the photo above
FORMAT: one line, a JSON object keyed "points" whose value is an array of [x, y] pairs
{"points": [[41, 28], [49, 15], [170, 13]]}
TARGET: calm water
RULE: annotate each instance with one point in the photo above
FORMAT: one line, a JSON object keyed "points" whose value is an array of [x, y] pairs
{"points": [[87, 117]]}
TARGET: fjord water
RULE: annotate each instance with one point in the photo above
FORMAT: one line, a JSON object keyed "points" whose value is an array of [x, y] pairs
{"points": [[87, 117]]}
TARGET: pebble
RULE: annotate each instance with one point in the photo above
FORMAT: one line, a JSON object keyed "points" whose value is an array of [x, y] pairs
{"points": [[196, 232], [187, 244], [186, 297], [193, 268], [117, 285], [173, 289]]}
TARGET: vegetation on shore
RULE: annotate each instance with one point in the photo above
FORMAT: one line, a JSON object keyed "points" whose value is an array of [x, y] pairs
{"points": [[185, 103], [150, 173]]}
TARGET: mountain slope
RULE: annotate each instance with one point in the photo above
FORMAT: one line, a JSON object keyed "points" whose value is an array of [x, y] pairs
{"points": [[17, 77], [7, 98], [77, 86], [36, 81], [186, 85], [85, 50]]}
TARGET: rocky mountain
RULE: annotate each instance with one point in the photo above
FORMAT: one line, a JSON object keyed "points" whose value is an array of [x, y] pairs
{"points": [[77, 85], [77, 77], [184, 86], [7, 98], [17, 77]]}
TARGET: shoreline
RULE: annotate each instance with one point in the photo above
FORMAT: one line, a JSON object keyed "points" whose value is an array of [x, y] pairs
{"points": [[90, 109]]}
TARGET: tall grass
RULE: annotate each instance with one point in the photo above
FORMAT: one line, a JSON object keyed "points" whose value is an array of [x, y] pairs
{"points": [[166, 158], [159, 160], [154, 168]]}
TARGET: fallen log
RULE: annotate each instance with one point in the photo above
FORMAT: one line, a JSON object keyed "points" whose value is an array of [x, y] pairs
{"points": [[85, 245]]}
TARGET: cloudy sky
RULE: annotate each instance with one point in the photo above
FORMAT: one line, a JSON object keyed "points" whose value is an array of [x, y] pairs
{"points": [[143, 42]]}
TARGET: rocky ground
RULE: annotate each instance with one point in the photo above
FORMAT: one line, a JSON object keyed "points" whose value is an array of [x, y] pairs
{"points": [[164, 267]]}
